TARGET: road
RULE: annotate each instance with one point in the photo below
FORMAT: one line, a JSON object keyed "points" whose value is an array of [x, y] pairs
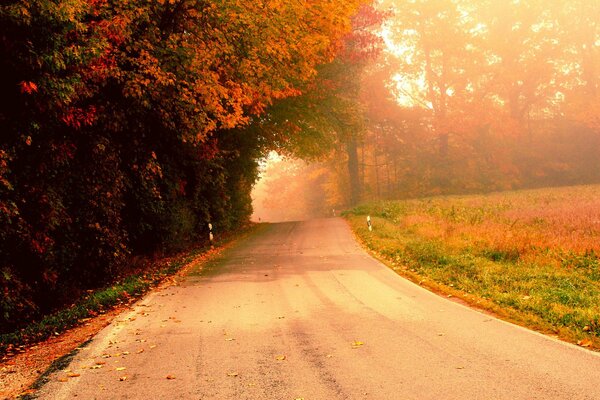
{"points": [[300, 311]]}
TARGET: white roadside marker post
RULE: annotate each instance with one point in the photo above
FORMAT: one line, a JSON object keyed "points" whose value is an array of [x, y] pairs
{"points": [[210, 233], [369, 223]]}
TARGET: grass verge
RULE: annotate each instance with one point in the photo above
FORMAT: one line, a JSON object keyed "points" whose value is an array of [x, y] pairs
{"points": [[498, 253], [100, 301]]}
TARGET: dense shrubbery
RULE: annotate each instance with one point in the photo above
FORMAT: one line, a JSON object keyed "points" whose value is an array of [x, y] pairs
{"points": [[125, 129]]}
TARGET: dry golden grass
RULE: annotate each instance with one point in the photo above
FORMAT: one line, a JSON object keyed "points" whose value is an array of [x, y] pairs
{"points": [[531, 256]]}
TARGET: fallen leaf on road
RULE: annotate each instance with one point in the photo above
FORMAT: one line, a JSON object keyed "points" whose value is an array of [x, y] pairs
{"points": [[73, 374], [63, 379], [100, 362], [586, 328], [584, 343], [170, 376], [152, 346], [123, 378], [125, 353], [356, 344], [229, 339], [329, 355], [96, 367], [280, 358], [460, 367], [120, 369], [233, 374], [140, 351]]}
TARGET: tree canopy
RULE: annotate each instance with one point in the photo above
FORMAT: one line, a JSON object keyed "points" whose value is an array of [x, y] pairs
{"points": [[129, 125]]}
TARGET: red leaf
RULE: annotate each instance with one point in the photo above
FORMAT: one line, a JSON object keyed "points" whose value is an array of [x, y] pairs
{"points": [[28, 87]]}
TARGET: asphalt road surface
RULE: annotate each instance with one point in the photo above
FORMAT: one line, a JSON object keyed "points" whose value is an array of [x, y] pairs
{"points": [[299, 311]]}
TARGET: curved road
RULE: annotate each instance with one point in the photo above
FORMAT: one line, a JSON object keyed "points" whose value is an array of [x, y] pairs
{"points": [[300, 311]]}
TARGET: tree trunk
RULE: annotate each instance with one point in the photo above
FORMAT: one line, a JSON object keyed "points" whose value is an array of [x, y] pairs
{"points": [[353, 170]]}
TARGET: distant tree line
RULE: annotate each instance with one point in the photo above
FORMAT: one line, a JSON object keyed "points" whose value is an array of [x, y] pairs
{"points": [[468, 97], [475, 96]]}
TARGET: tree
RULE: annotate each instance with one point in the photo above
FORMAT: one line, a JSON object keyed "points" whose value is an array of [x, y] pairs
{"points": [[327, 121], [495, 85], [128, 125]]}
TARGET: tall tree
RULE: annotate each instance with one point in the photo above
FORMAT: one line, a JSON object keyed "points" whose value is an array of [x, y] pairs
{"points": [[123, 127]]}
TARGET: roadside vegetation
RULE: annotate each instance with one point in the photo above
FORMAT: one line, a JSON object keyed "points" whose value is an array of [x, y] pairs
{"points": [[123, 291], [532, 256]]}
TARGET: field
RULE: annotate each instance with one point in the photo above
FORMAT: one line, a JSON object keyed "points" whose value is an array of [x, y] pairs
{"points": [[531, 256]]}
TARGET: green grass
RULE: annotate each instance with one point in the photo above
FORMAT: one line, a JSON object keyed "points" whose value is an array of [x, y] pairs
{"points": [[91, 305], [499, 253], [102, 300]]}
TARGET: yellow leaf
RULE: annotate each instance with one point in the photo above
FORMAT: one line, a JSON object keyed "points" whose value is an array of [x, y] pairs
{"points": [[170, 376], [356, 344], [280, 358], [585, 343], [233, 374], [120, 369], [73, 375], [123, 378]]}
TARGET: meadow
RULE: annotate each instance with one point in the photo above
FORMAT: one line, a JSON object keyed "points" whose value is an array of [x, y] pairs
{"points": [[531, 257]]}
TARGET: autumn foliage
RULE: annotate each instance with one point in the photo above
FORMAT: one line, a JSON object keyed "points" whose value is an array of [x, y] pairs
{"points": [[128, 125], [482, 95]]}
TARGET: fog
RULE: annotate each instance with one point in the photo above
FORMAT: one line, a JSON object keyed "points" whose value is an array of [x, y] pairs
{"points": [[293, 190], [465, 97]]}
